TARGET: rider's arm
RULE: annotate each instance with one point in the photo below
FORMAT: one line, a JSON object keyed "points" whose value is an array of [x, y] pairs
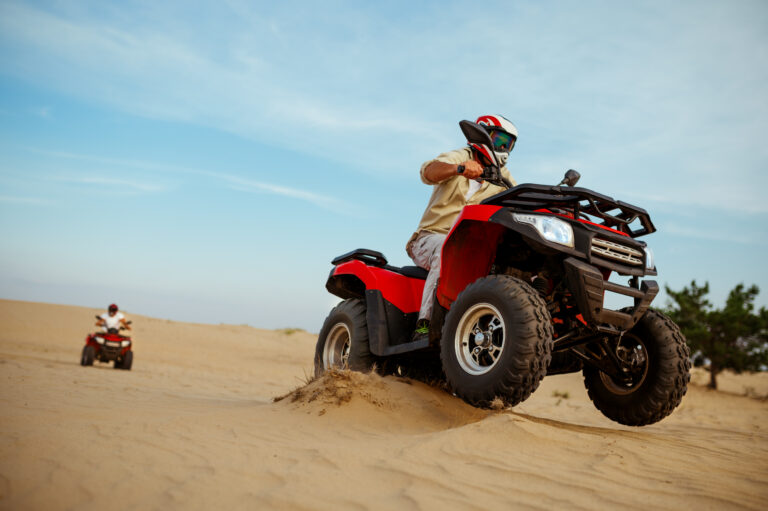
{"points": [[438, 171], [125, 324]]}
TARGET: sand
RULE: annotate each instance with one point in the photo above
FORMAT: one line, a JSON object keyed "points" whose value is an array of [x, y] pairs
{"points": [[194, 426]]}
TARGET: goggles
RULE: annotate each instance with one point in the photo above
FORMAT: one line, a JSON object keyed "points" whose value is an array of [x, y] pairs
{"points": [[502, 141]]}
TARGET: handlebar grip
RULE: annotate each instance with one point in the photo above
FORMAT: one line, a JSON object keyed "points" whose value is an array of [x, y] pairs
{"points": [[489, 172]]}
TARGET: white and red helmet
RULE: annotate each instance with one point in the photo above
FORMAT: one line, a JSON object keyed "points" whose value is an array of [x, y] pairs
{"points": [[503, 135]]}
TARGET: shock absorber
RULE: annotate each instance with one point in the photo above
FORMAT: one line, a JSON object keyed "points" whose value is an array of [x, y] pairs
{"points": [[541, 285]]}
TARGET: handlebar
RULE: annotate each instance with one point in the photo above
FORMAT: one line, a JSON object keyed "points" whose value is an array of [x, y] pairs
{"points": [[492, 175]]}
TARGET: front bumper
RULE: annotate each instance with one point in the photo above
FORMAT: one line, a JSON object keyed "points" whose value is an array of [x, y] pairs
{"points": [[110, 351], [587, 286]]}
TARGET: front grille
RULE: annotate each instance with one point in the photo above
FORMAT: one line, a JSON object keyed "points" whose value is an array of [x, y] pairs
{"points": [[110, 351], [617, 252]]}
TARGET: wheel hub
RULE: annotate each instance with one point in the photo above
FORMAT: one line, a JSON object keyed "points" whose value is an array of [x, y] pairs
{"points": [[479, 338], [633, 357], [482, 340]]}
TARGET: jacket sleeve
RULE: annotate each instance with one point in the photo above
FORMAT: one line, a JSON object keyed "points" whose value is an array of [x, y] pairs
{"points": [[453, 157]]}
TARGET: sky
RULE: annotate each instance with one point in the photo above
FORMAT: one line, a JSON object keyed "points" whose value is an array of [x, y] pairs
{"points": [[205, 161]]}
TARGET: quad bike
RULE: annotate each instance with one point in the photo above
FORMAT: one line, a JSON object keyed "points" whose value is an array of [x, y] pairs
{"points": [[521, 295], [107, 347]]}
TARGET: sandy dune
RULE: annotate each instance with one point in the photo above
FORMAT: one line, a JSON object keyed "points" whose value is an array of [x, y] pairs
{"points": [[193, 426]]}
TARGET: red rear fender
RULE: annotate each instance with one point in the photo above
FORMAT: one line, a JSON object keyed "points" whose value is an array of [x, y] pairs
{"points": [[353, 278]]}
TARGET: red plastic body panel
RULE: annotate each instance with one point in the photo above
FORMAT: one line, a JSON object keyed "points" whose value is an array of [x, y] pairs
{"points": [[108, 337], [468, 251], [401, 291], [602, 227]]}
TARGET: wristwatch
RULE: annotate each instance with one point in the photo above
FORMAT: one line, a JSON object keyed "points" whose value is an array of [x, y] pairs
{"points": [[460, 169]]}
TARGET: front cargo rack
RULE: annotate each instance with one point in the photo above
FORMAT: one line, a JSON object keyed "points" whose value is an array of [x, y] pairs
{"points": [[584, 203]]}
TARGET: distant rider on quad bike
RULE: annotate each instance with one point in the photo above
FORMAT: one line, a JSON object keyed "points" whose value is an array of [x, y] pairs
{"points": [[113, 320], [454, 177]]}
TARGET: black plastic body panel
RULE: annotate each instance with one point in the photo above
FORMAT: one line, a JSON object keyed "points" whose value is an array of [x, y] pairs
{"points": [[389, 329], [588, 288]]}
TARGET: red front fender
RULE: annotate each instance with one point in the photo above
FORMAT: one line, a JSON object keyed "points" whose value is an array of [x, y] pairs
{"points": [[468, 251]]}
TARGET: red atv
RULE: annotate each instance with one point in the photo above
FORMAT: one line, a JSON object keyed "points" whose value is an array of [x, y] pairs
{"points": [[530, 303], [108, 347]]}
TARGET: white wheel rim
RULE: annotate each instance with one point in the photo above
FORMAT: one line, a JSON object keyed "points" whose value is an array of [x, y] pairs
{"points": [[479, 339], [336, 349]]}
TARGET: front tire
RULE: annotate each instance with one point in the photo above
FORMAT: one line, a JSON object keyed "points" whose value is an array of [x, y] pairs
{"points": [[661, 381], [127, 361], [86, 358], [343, 340], [496, 342]]}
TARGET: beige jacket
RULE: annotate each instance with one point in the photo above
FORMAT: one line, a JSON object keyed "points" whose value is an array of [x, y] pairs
{"points": [[449, 197]]}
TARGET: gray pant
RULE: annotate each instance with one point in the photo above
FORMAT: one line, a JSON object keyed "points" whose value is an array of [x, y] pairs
{"points": [[425, 252]]}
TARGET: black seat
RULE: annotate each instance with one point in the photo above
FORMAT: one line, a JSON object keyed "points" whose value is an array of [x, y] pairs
{"points": [[415, 272], [376, 258]]}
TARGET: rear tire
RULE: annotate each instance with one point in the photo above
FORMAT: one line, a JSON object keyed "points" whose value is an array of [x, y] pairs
{"points": [[86, 359], [343, 340], [664, 380], [496, 342]]}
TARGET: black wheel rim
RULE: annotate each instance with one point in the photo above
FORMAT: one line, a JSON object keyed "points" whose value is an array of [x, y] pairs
{"points": [[336, 349], [633, 355]]}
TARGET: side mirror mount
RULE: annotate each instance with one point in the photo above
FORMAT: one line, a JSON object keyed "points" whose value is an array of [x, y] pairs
{"points": [[571, 178]]}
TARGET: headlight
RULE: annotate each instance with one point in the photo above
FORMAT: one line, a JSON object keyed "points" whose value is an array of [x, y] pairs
{"points": [[650, 263], [100, 340], [125, 343], [550, 228]]}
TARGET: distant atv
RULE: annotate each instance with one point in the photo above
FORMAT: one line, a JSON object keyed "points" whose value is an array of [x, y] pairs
{"points": [[108, 347], [521, 295]]}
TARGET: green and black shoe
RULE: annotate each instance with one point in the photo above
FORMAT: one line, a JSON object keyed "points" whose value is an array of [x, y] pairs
{"points": [[422, 331]]}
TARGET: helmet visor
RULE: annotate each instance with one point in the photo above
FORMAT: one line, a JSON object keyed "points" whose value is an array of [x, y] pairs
{"points": [[502, 141]]}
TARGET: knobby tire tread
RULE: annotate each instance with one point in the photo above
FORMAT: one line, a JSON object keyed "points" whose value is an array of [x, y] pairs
{"points": [[665, 385], [353, 313], [528, 336]]}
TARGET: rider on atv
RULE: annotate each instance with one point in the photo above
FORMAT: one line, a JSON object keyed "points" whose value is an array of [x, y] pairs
{"points": [[454, 177], [524, 278], [113, 320]]}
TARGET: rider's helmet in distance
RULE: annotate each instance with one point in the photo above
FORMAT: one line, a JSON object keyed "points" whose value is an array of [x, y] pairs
{"points": [[112, 307], [503, 135]]}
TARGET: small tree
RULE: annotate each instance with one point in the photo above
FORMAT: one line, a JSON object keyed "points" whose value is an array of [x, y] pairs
{"points": [[735, 337]]}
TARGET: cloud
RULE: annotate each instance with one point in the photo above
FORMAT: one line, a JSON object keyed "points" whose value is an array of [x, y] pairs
{"points": [[697, 232], [22, 200], [42, 111], [727, 197], [249, 185], [231, 180], [237, 87], [114, 184], [643, 91]]}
